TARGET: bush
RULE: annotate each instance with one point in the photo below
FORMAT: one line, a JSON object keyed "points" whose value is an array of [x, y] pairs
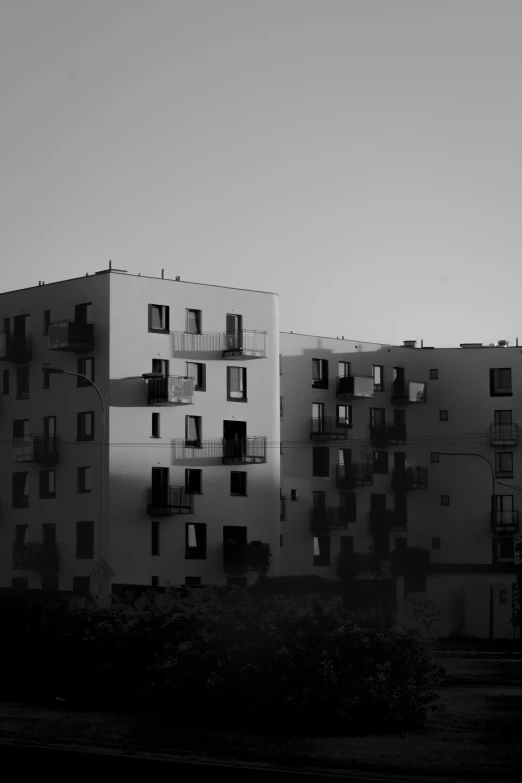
{"points": [[238, 657]]}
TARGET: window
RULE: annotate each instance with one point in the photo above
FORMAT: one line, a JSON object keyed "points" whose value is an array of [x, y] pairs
{"points": [[378, 377], [434, 374], [346, 545], [198, 371], [293, 494], [280, 539], [46, 322], [5, 381], [319, 498], [380, 462], [154, 538], [20, 490], [319, 373], [504, 464], [19, 583], [22, 383], [154, 580], [47, 484], [435, 543], [322, 551], [435, 456], [85, 425], [84, 540], [193, 481], [81, 585], [85, 367], [20, 535], [192, 581], [238, 482], [377, 418], [49, 423], [503, 550], [344, 415], [281, 407], [193, 431], [444, 500], [343, 369], [348, 505], [160, 365], [158, 318], [82, 313], [193, 321], [321, 461], [83, 479], [500, 382], [443, 415], [237, 383], [155, 428], [195, 541], [46, 379]]}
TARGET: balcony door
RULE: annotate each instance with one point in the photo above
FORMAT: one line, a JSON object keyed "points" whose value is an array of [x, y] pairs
{"points": [[49, 535], [234, 331], [399, 418], [318, 417], [234, 435], [319, 499], [82, 313], [503, 418], [19, 326], [398, 381], [399, 462], [504, 509], [160, 486], [377, 418]]}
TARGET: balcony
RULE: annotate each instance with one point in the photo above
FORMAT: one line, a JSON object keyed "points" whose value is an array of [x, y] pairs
{"points": [[504, 522], [244, 450], [352, 564], [503, 434], [36, 556], [356, 474], [326, 518], [41, 449], [171, 390], [405, 392], [409, 478], [15, 347], [244, 343], [354, 386], [387, 433], [329, 428], [169, 501], [73, 336]]}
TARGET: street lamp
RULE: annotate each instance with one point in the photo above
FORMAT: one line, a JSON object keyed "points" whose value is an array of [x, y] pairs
{"points": [[103, 401], [472, 454]]}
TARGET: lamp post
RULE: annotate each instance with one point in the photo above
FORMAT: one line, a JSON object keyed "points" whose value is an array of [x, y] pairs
{"points": [[473, 454], [105, 594]]}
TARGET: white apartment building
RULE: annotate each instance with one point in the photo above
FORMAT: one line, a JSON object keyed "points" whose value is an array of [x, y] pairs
{"points": [[174, 478]]}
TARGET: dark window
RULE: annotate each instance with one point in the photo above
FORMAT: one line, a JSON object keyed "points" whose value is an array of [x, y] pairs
{"points": [[193, 322], [237, 581], [154, 538], [19, 583], [193, 431], [280, 539], [85, 367], [343, 369], [435, 543], [47, 484], [198, 371], [321, 461], [81, 585], [192, 581], [434, 374], [84, 540], [380, 462], [280, 364], [237, 383], [20, 427], [281, 407], [193, 481], [435, 456], [85, 425], [82, 313], [155, 425], [444, 500], [238, 482], [160, 365], [401, 510], [154, 580], [348, 504], [46, 321], [22, 383], [293, 494], [443, 415], [504, 464], [344, 415], [378, 377], [46, 379], [84, 479], [158, 318], [20, 490], [503, 549], [346, 545], [195, 541], [320, 373], [377, 417], [49, 423], [322, 551], [20, 534], [500, 382], [5, 381]]}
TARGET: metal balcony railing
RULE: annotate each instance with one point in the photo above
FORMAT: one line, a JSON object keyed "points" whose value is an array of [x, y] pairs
{"points": [[503, 434], [36, 556], [329, 428], [169, 501], [404, 392], [355, 386], [74, 336], [244, 343], [326, 518], [244, 450], [171, 390], [409, 478], [41, 449], [387, 433], [15, 347], [356, 474], [504, 522]]}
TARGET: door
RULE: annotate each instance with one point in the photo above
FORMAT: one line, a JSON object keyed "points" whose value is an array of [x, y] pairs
{"points": [[377, 418], [398, 381], [82, 313], [160, 365], [49, 433], [234, 435], [160, 484], [318, 417], [19, 326], [399, 462], [234, 331]]}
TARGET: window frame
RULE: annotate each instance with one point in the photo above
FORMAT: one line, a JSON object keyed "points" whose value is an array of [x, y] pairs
{"points": [[44, 492], [321, 382], [496, 389], [443, 415], [164, 319], [189, 442], [81, 418], [80, 367], [199, 552], [155, 538], [499, 457], [23, 497], [380, 385], [243, 485], [200, 381], [85, 540], [155, 425], [316, 459], [324, 556], [80, 479], [188, 488], [242, 375], [380, 462], [434, 374], [345, 421], [197, 319], [22, 393]]}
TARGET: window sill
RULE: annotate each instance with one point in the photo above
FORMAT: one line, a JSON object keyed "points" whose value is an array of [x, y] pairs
{"points": [[238, 495], [84, 440], [200, 388], [501, 394], [155, 437], [237, 399], [83, 491], [158, 331], [504, 475], [193, 492], [195, 557], [84, 557]]}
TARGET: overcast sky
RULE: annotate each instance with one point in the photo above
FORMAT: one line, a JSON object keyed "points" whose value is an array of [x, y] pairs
{"points": [[362, 158]]}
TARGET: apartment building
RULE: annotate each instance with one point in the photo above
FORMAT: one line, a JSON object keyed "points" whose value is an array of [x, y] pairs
{"points": [[370, 438], [168, 471]]}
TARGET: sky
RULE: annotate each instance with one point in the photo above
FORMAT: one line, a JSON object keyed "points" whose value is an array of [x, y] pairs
{"points": [[361, 158]]}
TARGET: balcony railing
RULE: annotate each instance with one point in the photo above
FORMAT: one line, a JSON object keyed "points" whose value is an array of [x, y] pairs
{"points": [[404, 392], [282, 513], [356, 474], [387, 433], [355, 386], [171, 390], [244, 343], [503, 434], [326, 518], [15, 347], [169, 501], [409, 478], [74, 336], [250, 450], [36, 556], [352, 564], [329, 428], [504, 522], [41, 449]]}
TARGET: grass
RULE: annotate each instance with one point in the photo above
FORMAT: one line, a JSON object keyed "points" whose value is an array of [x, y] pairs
{"points": [[479, 735]]}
